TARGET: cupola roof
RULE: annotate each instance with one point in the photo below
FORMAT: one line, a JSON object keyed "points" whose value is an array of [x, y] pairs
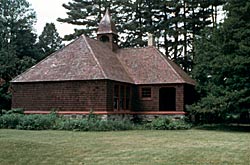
{"points": [[106, 25]]}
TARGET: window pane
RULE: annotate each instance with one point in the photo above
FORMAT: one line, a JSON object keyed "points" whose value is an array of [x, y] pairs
{"points": [[122, 106], [128, 97], [116, 91], [145, 92], [116, 97]]}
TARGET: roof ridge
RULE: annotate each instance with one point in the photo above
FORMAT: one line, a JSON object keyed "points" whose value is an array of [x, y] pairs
{"points": [[165, 59], [20, 75], [117, 57], [93, 54], [127, 48], [125, 68]]}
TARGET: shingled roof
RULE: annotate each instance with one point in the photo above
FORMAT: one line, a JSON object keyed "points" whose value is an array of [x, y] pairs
{"points": [[89, 59], [149, 66], [83, 59]]}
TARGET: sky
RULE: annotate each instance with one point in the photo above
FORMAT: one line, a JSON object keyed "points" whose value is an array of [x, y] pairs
{"points": [[47, 11]]}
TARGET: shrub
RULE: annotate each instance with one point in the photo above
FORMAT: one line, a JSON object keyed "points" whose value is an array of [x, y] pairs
{"points": [[179, 125], [94, 125], [160, 123], [91, 123], [37, 122], [168, 124], [10, 120], [15, 111]]}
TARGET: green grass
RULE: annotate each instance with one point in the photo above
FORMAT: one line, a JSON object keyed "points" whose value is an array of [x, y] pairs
{"points": [[128, 147]]}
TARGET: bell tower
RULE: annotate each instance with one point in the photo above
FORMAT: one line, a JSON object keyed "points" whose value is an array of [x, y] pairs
{"points": [[107, 32]]}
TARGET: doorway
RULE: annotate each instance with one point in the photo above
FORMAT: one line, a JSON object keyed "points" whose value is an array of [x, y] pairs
{"points": [[167, 99]]}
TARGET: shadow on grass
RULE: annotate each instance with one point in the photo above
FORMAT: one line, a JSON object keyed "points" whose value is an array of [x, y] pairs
{"points": [[225, 127]]}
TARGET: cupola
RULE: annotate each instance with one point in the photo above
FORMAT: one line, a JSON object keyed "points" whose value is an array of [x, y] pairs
{"points": [[107, 32]]}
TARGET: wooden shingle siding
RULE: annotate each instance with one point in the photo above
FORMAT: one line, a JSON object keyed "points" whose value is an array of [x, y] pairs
{"points": [[61, 96], [153, 103]]}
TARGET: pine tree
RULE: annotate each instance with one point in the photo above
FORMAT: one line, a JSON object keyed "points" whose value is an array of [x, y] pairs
{"points": [[49, 40], [174, 23], [222, 65], [86, 13], [17, 20], [215, 4]]}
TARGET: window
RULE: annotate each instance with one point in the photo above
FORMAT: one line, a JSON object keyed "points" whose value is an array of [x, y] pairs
{"points": [[116, 96], [128, 95], [122, 101], [122, 97], [104, 38], [146, 92]]}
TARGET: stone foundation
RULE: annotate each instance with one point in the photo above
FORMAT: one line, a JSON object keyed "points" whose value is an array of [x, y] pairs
{"points": [[104, 115], [141, 118]]}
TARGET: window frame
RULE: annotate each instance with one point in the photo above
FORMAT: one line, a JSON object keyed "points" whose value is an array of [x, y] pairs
{"points": [[142, 93], [121, 105]]}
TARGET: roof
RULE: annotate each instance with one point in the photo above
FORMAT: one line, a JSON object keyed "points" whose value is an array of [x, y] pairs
{"points": [[149, 66], [89, 59], [83, 59], [107, 25]]}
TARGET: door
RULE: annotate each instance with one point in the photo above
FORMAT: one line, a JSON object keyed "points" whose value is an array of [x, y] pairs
{"points": [[167, 99]]}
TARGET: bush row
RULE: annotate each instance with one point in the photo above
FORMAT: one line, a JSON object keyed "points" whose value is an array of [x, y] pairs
{"points": [[91, 123], [168, 124]]}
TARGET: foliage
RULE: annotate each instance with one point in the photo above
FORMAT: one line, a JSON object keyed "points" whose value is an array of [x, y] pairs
{"points": [[49, 40], [5, 97], [18, 49], [15, 111], [94, 125], [173, 23], [222, 67], [168, 124], [28, 122], [10, 120], [52, 121], [84, 13], [37, 122], [16, 120]]}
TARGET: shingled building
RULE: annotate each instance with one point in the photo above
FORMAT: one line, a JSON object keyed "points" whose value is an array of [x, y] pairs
{"points": [[96, 75]]}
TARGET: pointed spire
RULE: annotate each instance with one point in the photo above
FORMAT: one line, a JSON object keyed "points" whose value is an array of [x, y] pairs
{"points": [[106, 25]]}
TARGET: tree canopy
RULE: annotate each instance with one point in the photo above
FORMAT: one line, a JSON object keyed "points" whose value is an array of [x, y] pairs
{"points": [[174, 23], [49, 40], [222, 65], [17, 43]]}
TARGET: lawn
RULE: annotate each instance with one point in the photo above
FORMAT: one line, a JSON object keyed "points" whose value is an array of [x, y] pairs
{"points": [[127, 147]]}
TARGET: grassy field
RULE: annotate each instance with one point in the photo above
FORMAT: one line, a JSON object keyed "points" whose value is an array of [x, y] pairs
{"points": [[129, 147]]}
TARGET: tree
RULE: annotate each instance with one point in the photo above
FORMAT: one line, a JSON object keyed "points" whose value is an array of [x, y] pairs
{"points": [[86, 13], [174, 23], [17, 43], [49, 40], [222, 65]]}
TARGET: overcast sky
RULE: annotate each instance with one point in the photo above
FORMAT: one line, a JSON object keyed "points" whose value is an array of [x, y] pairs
{"points": [[49, 11]]}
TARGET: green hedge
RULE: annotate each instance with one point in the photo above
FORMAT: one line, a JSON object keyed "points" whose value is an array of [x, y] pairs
{"points": [[168, 124], [52, 121], [91, 123]]}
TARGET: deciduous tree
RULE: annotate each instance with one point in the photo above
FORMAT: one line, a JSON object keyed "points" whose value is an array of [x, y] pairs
{"points": [[17, 43]]}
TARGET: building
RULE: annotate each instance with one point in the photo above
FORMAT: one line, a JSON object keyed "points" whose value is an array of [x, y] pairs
{"points": [[95, 75]]}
